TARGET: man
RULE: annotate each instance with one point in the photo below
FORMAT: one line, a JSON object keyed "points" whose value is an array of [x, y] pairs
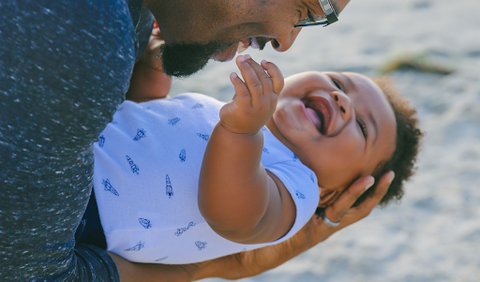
{"points": [[64, 68]]}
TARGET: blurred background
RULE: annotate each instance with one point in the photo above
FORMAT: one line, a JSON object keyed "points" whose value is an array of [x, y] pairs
{"points": [[431, 49]]}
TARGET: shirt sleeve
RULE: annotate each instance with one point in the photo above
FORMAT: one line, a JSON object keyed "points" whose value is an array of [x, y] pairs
{"points": [[302, 185], [64, 68]]}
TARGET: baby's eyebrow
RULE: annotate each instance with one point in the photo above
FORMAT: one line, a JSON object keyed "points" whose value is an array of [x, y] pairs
{"points": [[351, 84]]}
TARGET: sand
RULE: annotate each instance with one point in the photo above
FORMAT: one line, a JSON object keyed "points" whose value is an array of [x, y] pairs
{"points": [[433, 234]]}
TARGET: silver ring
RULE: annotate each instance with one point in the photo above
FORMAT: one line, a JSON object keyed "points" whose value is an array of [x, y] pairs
{"points": [[329, 222]]}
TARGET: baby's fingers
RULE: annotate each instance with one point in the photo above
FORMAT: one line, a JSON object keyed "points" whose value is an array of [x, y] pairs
{"points": [[275, 74], [242, 96], [256, 79]]}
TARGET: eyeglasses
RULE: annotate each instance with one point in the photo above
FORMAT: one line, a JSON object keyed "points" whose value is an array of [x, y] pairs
{"points": [[328, 10]]}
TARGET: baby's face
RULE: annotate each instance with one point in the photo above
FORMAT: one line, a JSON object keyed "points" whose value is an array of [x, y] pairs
{"points": [[340, 125]]}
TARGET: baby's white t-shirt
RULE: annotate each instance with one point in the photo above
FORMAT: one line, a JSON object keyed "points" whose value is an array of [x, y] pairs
{"points": [[147, 166]]}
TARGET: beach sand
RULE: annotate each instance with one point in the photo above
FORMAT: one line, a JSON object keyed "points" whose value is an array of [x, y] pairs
{"points": [[433, 234]]}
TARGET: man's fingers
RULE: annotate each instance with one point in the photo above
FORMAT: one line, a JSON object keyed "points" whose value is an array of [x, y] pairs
{"points": [[348, 197], [380, 191]]}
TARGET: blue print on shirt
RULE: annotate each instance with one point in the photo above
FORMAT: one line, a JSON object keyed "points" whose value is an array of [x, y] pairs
{"points": [[264, 128], [265, 150], [295, 158], [299, 195], [133, 166], [183, 155], [200, 245], [183, 229], [312, 178], [140, 245], [108, 187], [203, 136], [197, 106], [169, 188], [101, 141], [173, 121], [145, 223], [140, 134], [160, 259]]}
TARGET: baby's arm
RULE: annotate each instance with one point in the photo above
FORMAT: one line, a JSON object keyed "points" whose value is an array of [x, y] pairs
{"points": [[148, 80], [237, 197]]}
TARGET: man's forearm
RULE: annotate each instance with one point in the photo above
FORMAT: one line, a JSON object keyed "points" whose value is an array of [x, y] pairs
{"points": [[154, 272]]}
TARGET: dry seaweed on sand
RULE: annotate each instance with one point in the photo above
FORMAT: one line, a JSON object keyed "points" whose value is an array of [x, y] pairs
{"points": [[419, 63]]}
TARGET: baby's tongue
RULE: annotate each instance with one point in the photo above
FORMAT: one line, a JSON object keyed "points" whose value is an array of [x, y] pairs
{"points": [[313, 117]]}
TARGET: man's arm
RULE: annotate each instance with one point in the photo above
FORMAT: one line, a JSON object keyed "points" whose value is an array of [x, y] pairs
{"points": [[254, 262], [64, 69], [257, 261]]}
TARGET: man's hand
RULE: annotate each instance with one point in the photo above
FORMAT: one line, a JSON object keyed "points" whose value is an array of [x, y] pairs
{"points": [[255, 99], [151, 54], [254, 262], [148, 81]]}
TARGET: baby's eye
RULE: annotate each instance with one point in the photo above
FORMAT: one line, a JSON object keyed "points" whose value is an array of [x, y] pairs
{"points": [[337, 84], [363, 128]]}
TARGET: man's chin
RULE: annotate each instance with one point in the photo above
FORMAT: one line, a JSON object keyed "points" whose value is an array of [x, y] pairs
{"points": [[182, 60]]}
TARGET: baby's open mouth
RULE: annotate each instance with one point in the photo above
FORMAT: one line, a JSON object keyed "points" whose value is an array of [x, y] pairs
{"points": [[318, 113]]}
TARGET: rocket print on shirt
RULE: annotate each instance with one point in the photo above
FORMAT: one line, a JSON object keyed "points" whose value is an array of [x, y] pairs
{"points": [[299, 195], [107, 186], [140, 245], [140, 134], [133, 166], [183, 229], [169, 188], [101, 141], [197, 106], [161, 259], [173, 121], [200, 245], [183, 155], [145, 223], [203, 136]]}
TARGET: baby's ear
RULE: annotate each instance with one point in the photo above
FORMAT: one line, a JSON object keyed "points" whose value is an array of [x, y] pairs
{"points": [[326, 197]]}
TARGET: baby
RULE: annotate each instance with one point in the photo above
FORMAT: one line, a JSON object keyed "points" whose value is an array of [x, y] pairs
{"points": [[187, 179]]}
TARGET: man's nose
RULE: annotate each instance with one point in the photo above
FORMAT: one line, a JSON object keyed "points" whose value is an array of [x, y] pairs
{"points": [[344, 103], [282, 44]]}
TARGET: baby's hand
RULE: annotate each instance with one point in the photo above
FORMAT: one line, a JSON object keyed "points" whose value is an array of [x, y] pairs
{"points": [[255, 99]]}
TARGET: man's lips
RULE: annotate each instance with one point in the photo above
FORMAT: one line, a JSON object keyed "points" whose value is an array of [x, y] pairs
{"points": [[320, 112], [229, 53]]}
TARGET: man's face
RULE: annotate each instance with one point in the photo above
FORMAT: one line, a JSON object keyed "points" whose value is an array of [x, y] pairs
{"points": [[197, 31]]}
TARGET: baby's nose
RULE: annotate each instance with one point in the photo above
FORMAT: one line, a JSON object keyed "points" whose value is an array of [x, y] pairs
{"points": [[344, 104]]}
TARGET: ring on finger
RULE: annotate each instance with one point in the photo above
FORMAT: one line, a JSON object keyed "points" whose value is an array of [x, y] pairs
{"points": [[329, 222]]}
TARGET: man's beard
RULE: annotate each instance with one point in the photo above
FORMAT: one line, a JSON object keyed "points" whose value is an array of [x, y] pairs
{"points": [[182, 60]]}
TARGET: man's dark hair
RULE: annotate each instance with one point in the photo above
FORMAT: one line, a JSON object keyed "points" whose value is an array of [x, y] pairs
{"points": [[407, 144]]}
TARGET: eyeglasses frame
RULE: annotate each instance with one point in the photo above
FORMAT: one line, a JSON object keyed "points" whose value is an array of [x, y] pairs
{"points": [[331, 16]]}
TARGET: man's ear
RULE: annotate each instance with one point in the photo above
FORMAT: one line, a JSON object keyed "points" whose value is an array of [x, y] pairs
{"points": [[326, 197]]}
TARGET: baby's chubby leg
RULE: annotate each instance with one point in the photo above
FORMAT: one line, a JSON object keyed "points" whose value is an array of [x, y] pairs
{"points": [[255, 98]]}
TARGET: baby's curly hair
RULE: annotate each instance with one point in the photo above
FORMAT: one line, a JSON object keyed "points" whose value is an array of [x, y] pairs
{"points": [[408, 140]]}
